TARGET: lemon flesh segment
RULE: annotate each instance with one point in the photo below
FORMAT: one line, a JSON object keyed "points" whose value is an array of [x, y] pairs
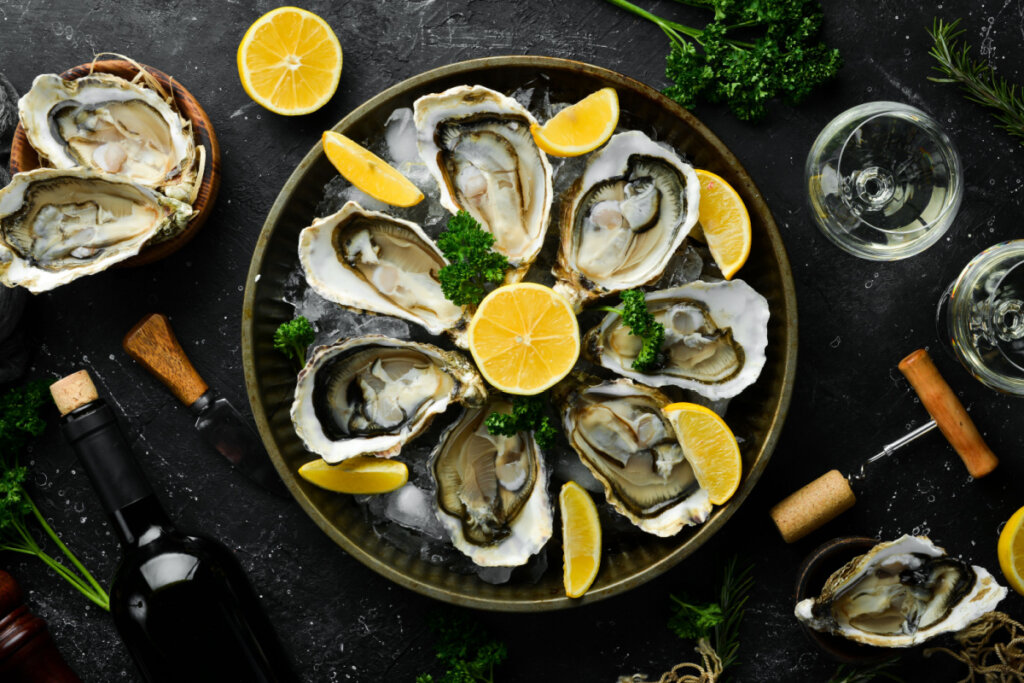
{"points": [[581, 127], [1010, 550], [369, 172], [710, 448], [724, 222], [581, 539], [524, 338], [360, 475], [289, 61]]}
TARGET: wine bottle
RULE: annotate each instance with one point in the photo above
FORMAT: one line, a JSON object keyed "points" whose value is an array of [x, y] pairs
{"points": [[181, 603]]}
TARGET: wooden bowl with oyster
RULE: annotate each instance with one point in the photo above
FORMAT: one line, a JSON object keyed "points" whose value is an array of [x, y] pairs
{"points": [[123, 149]]}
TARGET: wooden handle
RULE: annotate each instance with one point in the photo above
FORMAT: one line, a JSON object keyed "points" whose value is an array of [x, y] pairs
{"points": [[947, 411], [814, 505], [153, 344], [27, 652]]}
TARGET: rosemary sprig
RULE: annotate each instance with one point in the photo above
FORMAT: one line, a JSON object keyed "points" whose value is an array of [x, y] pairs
{"points": [[976, 78], [733, 595], [850, 674]]}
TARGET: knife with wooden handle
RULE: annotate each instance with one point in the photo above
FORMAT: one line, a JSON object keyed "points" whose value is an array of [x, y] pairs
{"points": [[152, 343]]}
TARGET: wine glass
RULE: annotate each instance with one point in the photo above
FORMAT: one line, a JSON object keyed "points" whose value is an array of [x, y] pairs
{"points": [[985, 317], [884, 181]]}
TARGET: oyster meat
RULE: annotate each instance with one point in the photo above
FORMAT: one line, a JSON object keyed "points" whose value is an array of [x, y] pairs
{"points": [[477, 144], [624, 218], [716, 334], [109, 124], [370, 261], [901, 593], [59, 225], [370, 395], [624, 439], [491, 491]]}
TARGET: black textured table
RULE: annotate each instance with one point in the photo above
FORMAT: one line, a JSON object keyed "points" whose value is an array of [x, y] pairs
{"points": [[339, 620]]}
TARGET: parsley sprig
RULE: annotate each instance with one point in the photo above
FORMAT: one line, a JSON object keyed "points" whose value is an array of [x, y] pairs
{"points": [[641, 323], [292, 338], [473, 266], [20, 421], [527, 414], [976, 78], [781, 58], [468, 653]]}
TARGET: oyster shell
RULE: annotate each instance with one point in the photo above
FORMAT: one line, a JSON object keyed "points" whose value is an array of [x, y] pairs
{"points": [[370, 261], [59, 225], [901, 593], [491, 491], [624, 439], [477, 144], [370, 395], [624, 218], [109, 124], [716, 334]]}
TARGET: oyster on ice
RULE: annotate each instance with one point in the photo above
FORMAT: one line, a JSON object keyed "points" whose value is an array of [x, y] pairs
{"points": [[901, 593], [624, 439], [109, 124], [370, 261], [624, 218], [59, 225], [477, 144], [370, 395], [716, 334], [491, 491]]}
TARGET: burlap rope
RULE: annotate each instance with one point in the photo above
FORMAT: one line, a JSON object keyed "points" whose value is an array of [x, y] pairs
{"points": [[707, 671], [1001, 662]]}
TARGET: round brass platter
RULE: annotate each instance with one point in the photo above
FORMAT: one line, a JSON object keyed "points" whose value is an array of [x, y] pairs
{"points": [[757, 413]]}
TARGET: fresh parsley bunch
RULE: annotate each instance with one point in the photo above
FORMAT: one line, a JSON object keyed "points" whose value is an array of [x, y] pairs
{"points": [[641, 323], [467, 652], [527, 414], [473, 267], [292, 338]]}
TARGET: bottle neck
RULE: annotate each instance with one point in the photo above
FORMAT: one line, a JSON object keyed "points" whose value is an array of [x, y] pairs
{"points": [[122, 487]]}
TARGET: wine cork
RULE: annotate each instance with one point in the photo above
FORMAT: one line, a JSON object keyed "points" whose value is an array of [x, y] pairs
{"points": [[74, 391], [816, 504]]}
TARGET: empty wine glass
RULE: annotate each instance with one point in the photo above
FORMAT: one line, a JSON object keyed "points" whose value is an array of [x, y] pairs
{"points": [[884, 182], [984, 311]]}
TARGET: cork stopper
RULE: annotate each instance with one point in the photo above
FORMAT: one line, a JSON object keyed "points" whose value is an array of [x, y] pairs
{"points": [[814, 505], [73, 392]]}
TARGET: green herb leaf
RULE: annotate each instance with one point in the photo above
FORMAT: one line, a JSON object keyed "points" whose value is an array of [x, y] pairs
{"points": [[693, 622], [527, 415], [292, 338], [641, 323], [467, 652], [473, 267]]}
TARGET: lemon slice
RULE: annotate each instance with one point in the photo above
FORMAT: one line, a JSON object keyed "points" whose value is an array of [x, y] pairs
{"points": [[581, 127], [360, 475], [524, 338], [725, 223], [709, 447], [290, 61], [1011, 551], [581, 539], [369, 172]]}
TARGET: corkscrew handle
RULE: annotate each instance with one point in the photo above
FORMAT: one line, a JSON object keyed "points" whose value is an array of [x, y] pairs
{"points": [[152, 343], [27, 652], [945, 408]]}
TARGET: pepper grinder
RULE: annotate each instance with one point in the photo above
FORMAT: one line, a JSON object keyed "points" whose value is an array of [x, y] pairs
{"points": [[27, 652]]}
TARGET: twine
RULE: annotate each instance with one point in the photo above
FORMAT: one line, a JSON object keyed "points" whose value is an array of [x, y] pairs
{"points": [[708, 671], [1001, 662]]}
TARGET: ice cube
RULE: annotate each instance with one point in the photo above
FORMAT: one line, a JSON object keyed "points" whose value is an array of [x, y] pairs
{"points": [[410, 507], [400, 135], [495, 575]]}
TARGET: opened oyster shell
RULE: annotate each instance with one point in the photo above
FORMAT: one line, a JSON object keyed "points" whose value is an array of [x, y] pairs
{"points": [[901, 593], [373, 262], [60, 225], [370, 395], [109, 124], [624, 439], [624, 218], [716, 334], [491, 491], [477, 144]]}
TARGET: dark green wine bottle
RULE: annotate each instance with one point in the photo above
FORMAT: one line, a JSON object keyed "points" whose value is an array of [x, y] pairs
{"points": [[181, 603]]}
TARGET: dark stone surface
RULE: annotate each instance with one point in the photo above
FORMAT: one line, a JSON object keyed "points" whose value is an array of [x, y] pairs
{"points": [[339, 620]]}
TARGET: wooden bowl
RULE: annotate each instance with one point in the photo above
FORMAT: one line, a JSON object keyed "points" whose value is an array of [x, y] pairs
{"points": [[24, 157], [814, 572], [630, 558]]}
